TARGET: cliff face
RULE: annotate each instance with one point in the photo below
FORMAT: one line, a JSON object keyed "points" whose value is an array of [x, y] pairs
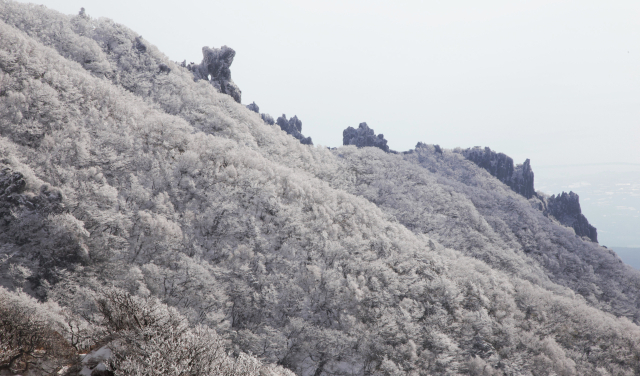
{"points": [[500, 165], [565, 208], [522, 180]]}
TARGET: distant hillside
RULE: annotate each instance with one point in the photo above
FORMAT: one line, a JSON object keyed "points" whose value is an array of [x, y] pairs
{"points": [[630, 256], [150, 220]]}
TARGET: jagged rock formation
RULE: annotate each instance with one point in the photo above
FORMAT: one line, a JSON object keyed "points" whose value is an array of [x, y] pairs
{"points": [[364, 136], [293, 127], [499, 165], [522, 180], [267, 119], [254, 107], [215, 69], [35, 225], [566, 209], [519, 179]]}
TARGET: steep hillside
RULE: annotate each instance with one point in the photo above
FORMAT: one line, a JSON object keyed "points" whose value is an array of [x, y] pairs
{"points": [[152, 214]]}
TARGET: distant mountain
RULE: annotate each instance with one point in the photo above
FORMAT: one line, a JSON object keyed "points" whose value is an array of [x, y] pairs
{"points": [[152, 224]]}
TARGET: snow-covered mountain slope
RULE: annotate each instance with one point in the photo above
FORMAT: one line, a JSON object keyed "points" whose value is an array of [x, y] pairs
{"points": [[461, 206], [147, 205]]}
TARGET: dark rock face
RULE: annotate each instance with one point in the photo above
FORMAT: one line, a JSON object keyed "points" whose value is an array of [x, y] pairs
{"points": [[267, 119], [293, 127], [254, 107], [215, 69], [364, 136], [566, 209], [497, 164], [522, 180], [26, 227], [13, 199], [519, 179]]}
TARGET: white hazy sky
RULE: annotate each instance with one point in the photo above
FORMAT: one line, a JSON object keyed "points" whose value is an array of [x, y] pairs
{"points": [[554, 81]]}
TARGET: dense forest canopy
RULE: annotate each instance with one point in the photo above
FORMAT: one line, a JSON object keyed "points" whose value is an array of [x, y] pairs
{"points": [[151, 221]]}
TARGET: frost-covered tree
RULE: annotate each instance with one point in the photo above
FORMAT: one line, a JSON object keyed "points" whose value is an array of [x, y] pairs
{"points": [[30, 335]]}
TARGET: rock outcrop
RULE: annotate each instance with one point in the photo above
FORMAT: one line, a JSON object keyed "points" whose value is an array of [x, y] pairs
{"points": [[215, 69], [563, 207], [518, 178], [364, 136], [265, 117], [254, 107], [522, 180], [293, 127], [566, 209]]}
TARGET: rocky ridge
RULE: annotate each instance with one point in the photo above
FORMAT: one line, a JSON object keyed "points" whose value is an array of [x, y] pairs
{"points": [[565, 207], [500, 165], [364, 136]]}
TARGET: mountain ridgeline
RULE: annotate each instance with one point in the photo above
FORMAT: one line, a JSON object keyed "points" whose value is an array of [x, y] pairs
{"points": [[151, 224], [565, 207], [518, 178]]}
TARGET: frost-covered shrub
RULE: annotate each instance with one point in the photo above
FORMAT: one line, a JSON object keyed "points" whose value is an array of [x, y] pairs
{"points": [[30, 335], [149, 338]]}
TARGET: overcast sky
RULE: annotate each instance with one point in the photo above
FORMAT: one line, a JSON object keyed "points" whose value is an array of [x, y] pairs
{"points": [[554, 81]]}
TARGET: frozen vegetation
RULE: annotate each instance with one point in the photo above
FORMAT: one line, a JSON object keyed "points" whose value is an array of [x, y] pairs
{"points": [[151, 224]]}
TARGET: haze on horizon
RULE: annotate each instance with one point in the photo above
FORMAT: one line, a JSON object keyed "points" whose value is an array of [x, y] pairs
{"points": [[553, 81]]}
